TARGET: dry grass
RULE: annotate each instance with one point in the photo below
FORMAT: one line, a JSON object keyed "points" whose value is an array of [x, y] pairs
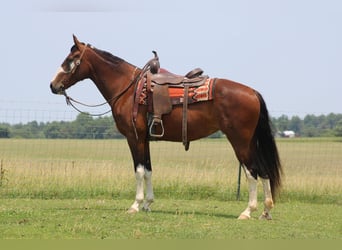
{"points": [[83, 168], [312, 165]]}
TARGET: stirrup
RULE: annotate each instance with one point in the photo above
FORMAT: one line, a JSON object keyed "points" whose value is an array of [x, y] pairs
{"points": [[155, 122]]}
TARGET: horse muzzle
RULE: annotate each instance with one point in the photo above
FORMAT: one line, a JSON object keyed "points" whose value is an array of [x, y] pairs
{"points": [[57, 88]]}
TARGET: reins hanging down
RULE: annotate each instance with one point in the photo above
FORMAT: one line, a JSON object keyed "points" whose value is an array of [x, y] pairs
{"points": [[70, 101]]}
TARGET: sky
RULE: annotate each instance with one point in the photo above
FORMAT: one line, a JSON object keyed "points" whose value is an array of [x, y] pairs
{"points": [[288, 50]]}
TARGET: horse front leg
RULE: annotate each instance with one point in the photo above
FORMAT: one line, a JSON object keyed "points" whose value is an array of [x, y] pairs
{"points": [[253, 202], [139, 196], [148, 178], [143, 172], [149, 190]]}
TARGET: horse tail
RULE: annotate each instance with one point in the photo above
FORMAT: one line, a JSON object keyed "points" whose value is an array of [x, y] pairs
{"points": [[266, 156]]}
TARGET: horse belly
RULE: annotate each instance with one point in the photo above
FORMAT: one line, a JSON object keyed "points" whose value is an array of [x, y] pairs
{"points": [[201, 122]]}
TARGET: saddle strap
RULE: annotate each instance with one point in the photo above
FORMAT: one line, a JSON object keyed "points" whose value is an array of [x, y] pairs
{"points": [[186, 143]]}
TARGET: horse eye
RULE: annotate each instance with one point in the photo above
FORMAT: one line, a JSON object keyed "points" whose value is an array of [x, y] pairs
{"points": [[68, 65]]}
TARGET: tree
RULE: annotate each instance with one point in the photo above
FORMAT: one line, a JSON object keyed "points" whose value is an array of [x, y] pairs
{"points": [[296, 125], [53, 131], [4, 131], [83, 126], [282, 123], [338, 129], [86, 127]]}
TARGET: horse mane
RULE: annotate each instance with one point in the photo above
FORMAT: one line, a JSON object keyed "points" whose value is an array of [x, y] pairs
{"points": [[104, 54], [108, 56]]}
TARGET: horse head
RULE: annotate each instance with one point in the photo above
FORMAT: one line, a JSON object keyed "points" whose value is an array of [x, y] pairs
{"points": [[72, 69]]}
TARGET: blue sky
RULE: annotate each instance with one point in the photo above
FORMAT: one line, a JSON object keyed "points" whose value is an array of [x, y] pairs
{"points": [[290, 51]]}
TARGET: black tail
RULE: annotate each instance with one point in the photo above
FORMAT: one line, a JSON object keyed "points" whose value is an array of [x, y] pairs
{"points": [[266, 155]]}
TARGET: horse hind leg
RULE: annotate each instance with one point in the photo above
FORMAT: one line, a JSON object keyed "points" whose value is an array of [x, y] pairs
{"points": [[268, 201], [253, 202]]}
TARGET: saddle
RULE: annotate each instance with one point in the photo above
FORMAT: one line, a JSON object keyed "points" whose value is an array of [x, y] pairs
{"points": [[194, 79], [158, 82]]}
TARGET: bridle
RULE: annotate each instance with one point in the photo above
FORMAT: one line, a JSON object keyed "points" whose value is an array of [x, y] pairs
{"points": [[75, 63], [71, 101]]}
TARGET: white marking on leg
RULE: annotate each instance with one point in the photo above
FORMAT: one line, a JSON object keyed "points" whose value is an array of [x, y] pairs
{"points": [[149, 190], [268, 201], [139, 197], [252, 203]]}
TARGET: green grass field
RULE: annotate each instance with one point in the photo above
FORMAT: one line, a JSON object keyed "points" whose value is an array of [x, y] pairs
{"points": [[82, 188]]}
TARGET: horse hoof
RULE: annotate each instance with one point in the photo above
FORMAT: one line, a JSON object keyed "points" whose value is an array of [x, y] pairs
{"points": [[132, 211], [265, 216], [146, 209], [243, 217]]}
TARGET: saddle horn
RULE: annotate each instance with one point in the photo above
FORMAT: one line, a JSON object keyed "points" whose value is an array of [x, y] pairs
{"points": [[154, 63]]}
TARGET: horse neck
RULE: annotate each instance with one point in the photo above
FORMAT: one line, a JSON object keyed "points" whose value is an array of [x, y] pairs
{"points": [[110, 79]]}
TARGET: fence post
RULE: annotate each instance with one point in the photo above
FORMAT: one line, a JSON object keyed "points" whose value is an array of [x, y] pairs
{"points": [[238, 183]]}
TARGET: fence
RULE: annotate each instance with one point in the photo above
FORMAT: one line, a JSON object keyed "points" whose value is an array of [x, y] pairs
{"points": [[64, 167]]}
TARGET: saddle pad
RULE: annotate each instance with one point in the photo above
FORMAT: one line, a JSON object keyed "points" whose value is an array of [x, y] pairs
{"points": [[196, 94]]}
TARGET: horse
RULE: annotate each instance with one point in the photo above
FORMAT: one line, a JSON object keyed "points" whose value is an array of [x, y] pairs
{"points": [[237, 110]]}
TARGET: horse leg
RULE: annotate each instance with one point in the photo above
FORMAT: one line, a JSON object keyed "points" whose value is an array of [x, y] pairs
{"points": [[139, 197], [253, 202], [148, 180], [143, 172], [241, 145], [268, 201]]}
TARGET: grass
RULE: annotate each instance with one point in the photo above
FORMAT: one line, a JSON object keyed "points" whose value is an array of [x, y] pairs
{"points": [[82, 188], [92, 168], [170, 219]]}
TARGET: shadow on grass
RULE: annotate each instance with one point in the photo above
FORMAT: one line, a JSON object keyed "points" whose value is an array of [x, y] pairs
{"points": [[177, 212], [166, 212]]}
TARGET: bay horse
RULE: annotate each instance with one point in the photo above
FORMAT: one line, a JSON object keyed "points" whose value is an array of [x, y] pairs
{"points": [[237, 110]]}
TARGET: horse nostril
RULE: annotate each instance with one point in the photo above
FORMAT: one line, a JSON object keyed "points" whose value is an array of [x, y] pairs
{"points": [[59, 89], [53, 90]]}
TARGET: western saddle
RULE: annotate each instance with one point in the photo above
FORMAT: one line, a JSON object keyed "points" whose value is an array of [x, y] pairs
{"points": [[158, 82]]}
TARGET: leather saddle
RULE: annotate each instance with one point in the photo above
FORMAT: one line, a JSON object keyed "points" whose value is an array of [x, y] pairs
{"points": [[194, 79], [161, 81]]}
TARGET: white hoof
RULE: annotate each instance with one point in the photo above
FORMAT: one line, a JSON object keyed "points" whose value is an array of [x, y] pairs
{"points": [[132, 211], [244, 217]]}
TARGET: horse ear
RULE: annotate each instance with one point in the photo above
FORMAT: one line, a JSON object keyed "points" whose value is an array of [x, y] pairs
{"points": [[77, 43]]}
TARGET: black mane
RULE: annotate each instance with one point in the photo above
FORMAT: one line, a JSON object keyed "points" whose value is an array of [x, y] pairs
{"points": [[108, 56], [104, 54]]}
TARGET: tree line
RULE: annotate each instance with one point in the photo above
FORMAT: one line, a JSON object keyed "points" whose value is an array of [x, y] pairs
{"points": [[311, 125], [83, 127], [87, 127]]}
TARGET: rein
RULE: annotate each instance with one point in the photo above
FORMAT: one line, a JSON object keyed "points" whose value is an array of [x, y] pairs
{"points": [[70, 101]]}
